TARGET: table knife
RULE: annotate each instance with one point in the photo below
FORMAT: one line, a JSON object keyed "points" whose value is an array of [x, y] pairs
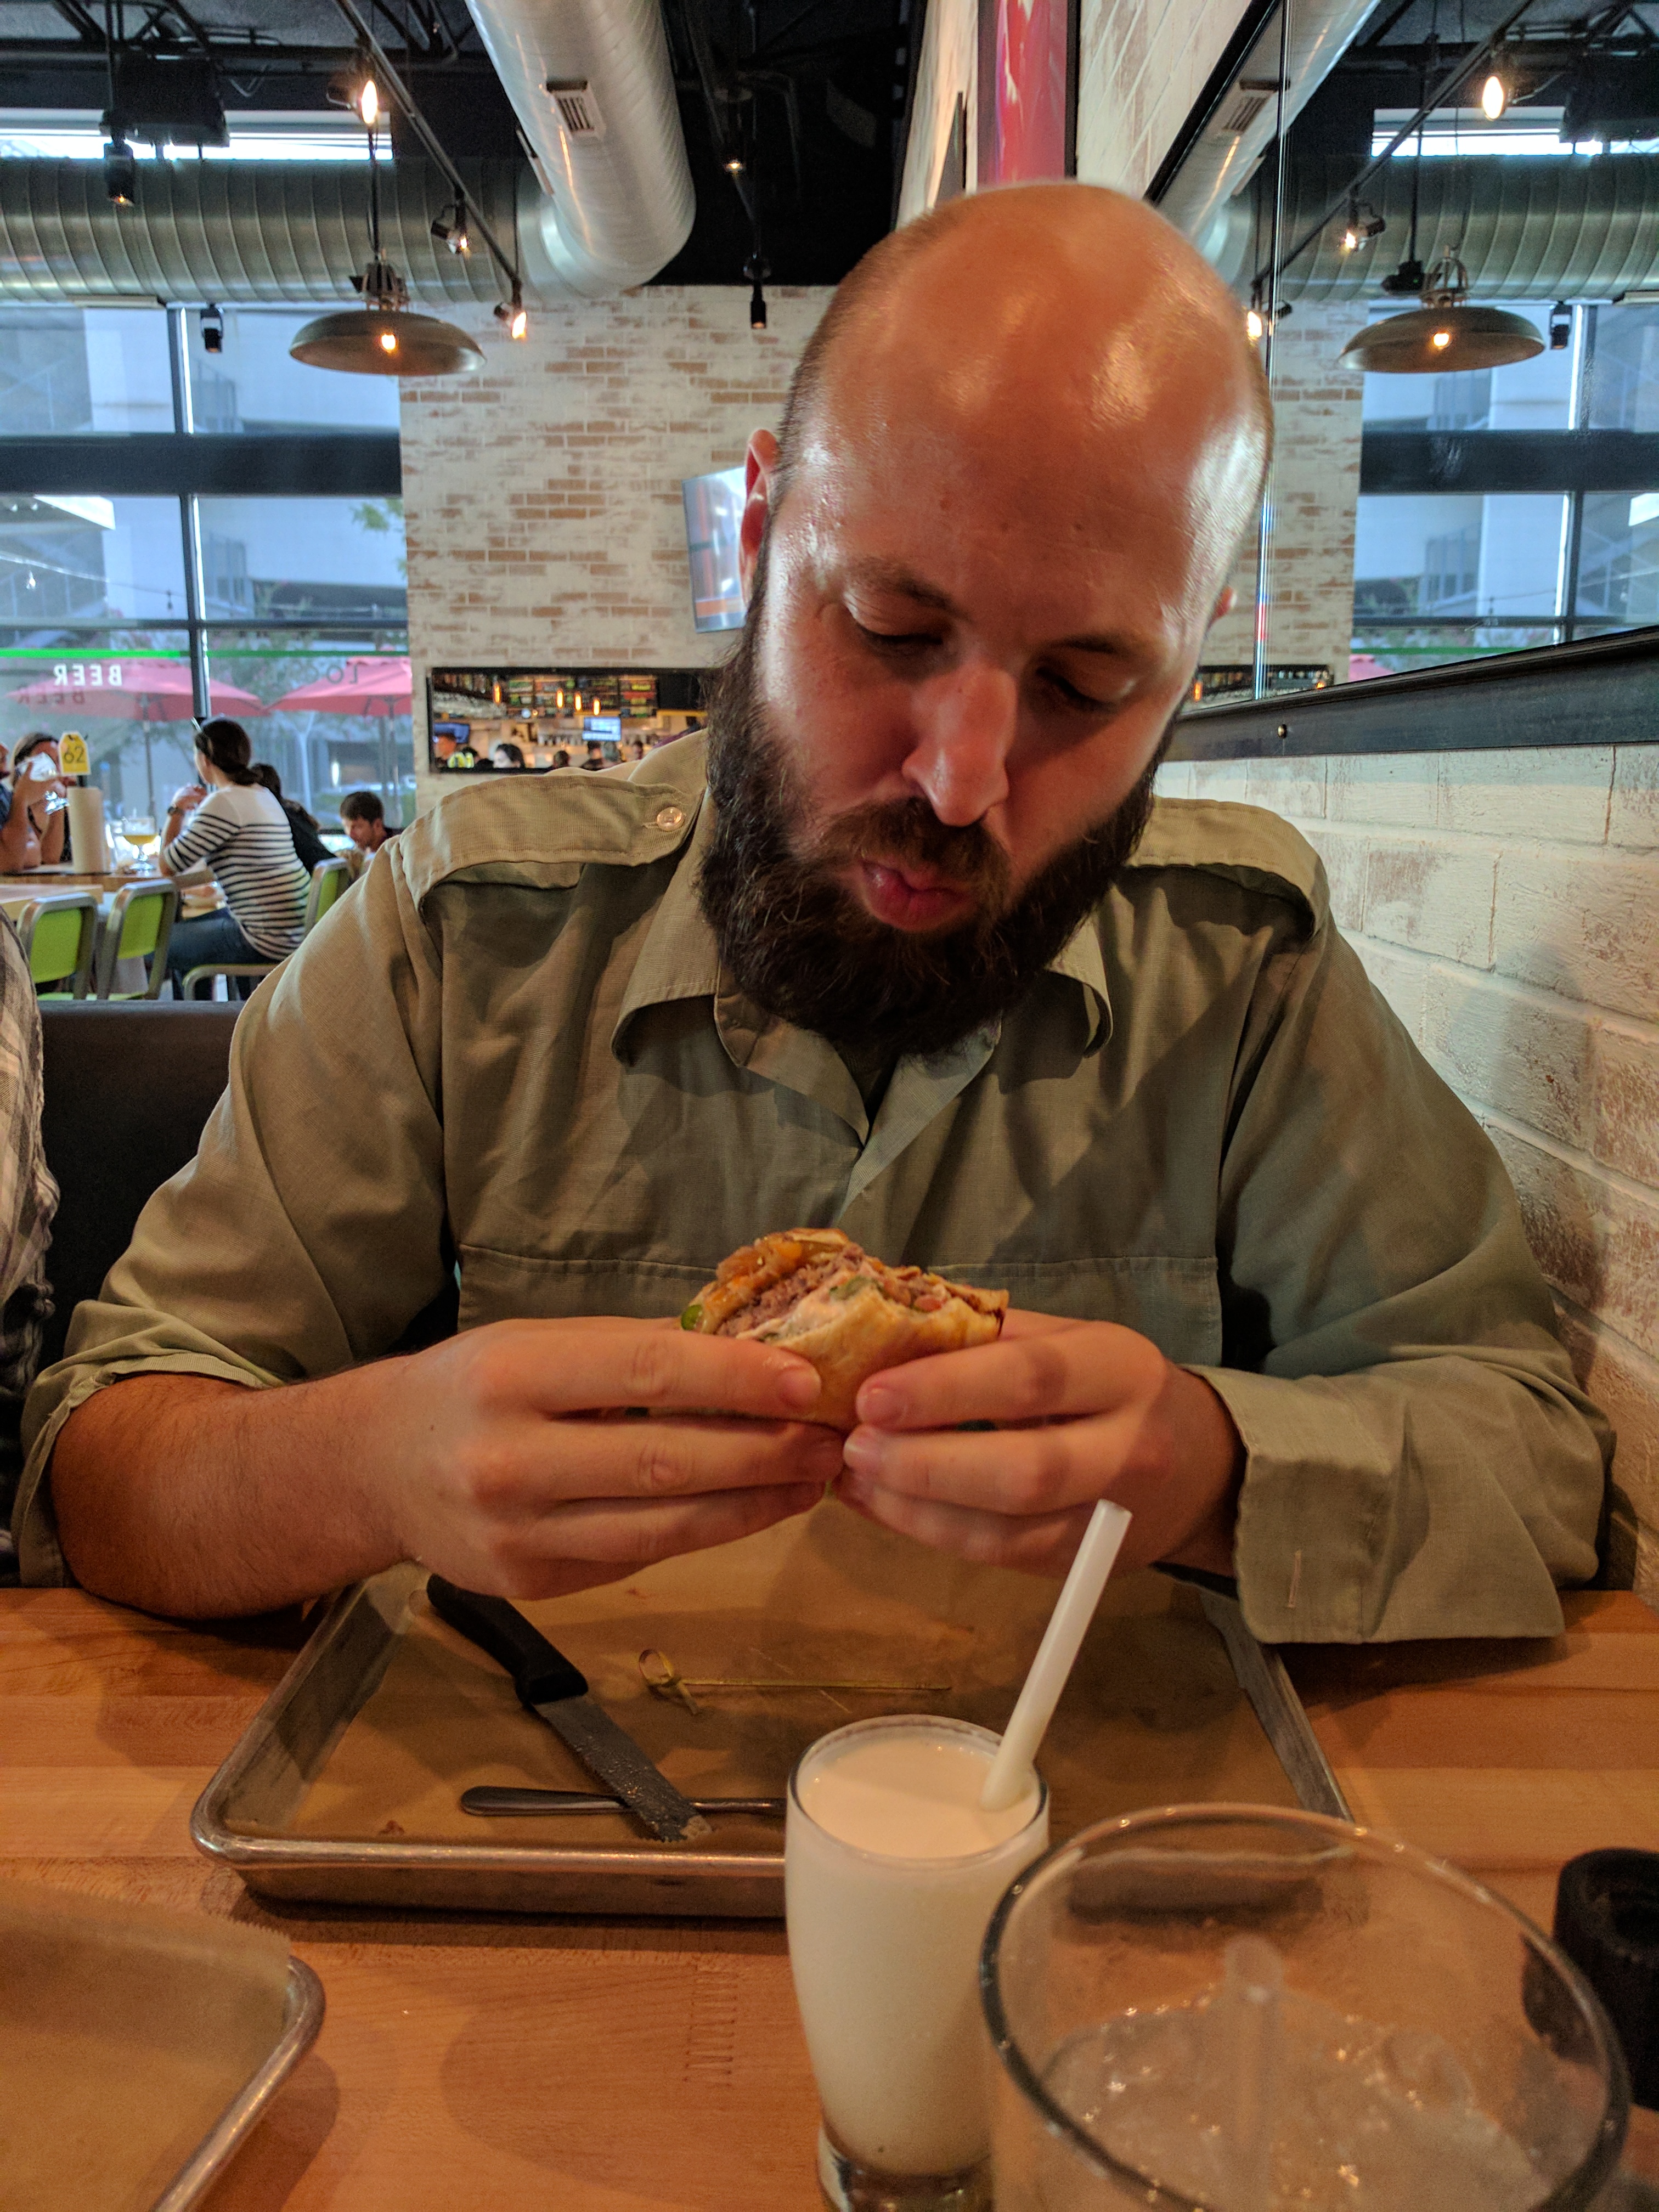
{"points": [[556, 1692], [489, 1803]]}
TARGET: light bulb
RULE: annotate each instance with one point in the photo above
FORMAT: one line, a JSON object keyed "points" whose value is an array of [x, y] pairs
{"points": [[388, 342], [1494, 97], [734, 167], [1253, 326], [368, 103], [520, 325], [1350, 240], [1441, 340]]}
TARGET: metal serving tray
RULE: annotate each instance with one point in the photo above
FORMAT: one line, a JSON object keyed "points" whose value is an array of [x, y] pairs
{"points": [[302, 2016], [248, 1816]]}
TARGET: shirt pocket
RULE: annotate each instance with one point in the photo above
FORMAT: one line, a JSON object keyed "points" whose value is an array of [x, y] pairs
{"points": [[1174, 1302], [497, 1286]]}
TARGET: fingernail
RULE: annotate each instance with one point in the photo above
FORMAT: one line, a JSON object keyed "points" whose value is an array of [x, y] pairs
{"points": [[799, 1384], [879, 1404], [861, 1452]]}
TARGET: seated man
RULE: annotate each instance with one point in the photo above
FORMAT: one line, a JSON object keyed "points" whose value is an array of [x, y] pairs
{"points": [[905, 944], [364, 817]]}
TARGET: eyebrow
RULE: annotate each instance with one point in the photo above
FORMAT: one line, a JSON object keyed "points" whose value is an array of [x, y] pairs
{"points": [[890, 576]]}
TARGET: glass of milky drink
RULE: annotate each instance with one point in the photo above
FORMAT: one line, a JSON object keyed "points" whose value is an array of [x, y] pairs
{"points": [[891, 1873], [1222, 2008]]}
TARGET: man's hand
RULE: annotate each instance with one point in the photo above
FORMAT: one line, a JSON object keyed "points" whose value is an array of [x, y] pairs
{"points": [[542, 1457], [509, 1458], [1083, 1410]]}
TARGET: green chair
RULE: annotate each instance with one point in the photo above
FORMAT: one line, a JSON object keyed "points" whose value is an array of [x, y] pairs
{"points": [[328, 879], [59, 934], [139, 927]]}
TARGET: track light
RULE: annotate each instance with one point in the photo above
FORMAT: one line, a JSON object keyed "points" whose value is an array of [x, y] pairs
{"points": [[367, 102], [1255, 329], [450, 229], [1494, 97], [213, 329], [1560, 327], [120, 173], [733, 166], [513, 313], [757, 308], [1363, 223]]}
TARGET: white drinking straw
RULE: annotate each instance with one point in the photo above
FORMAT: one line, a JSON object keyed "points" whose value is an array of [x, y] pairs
{"points": [[1062, 1640]]}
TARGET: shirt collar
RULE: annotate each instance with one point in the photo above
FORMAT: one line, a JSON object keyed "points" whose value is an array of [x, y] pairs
{"points": [[680, 958]]}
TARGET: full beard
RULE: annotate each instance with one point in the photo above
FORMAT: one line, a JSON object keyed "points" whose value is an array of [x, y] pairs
{"points": [[801, 945]]}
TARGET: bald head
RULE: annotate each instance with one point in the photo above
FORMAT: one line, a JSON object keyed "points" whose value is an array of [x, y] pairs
{"points": [[1019, 454], [1050, 320]]}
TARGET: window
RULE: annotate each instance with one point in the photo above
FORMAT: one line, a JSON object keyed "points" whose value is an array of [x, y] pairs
{"points": [[121, 614]]}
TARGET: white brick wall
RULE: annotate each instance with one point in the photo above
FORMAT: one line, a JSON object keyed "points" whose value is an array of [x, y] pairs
{"points": [[1506, 905], [1141, 65], [542, 496]]}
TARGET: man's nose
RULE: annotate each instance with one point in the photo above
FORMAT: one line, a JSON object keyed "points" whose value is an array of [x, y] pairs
{"points": [[964, 727]]}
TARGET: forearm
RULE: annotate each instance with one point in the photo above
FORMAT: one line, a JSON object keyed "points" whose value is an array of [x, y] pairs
{"points": [[189, 1497], [51, 836]]}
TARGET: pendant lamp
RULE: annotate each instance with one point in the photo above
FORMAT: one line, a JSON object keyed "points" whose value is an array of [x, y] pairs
{"points": [[384, 336], [1445, 333]]}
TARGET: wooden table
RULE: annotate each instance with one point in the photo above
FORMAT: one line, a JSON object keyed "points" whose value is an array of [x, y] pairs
{"points": [[611, 2066]]}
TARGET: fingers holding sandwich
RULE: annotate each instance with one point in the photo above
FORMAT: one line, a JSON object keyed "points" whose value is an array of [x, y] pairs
{"points": [[1001, 1453]]}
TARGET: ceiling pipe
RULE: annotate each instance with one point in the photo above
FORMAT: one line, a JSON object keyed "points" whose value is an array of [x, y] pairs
{"points": [[592, 87], [1578, 227], [282, 232]]}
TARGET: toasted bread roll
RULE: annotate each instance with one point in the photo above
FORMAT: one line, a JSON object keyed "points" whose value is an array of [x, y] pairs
{"points": [[818, 1293]]}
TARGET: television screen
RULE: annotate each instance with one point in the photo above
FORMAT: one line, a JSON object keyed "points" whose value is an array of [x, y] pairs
{"points": [[713, 509]]}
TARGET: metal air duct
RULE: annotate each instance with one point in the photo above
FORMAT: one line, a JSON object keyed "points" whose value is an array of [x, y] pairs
{"points": [[1227, 150], [273, 231], [591, 83], [1581, 227]]}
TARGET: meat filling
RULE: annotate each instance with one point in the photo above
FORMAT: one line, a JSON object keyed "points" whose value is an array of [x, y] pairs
{"points": [[782, 1297]]}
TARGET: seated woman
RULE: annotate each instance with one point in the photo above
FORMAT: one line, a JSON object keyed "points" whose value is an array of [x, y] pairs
{"points": [[241, 832], [30, 834]]}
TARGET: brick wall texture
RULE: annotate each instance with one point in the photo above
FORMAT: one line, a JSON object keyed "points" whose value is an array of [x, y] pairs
{"points": [[1141, 66], [1506, 905], [1315, 494], [542, 495]]}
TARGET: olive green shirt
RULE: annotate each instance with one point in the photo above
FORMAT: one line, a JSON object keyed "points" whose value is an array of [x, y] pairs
{"points": [[508, 1059]]}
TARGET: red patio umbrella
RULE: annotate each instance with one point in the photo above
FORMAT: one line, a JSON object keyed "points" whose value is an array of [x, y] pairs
{"points": [[371, 685], [139, 690]]}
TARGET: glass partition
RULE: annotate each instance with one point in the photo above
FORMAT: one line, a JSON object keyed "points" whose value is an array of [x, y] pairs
{"points": [[1482, 166]]}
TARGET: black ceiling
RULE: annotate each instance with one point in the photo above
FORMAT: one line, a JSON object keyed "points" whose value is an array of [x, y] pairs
{"points": [[807, 95]]}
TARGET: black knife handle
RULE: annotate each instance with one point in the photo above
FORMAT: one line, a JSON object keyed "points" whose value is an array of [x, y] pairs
{"points": [[541, 1675]]}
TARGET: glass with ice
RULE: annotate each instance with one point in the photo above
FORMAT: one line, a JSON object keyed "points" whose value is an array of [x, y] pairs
{"points": [[1244, 2010], [891, 1871]]}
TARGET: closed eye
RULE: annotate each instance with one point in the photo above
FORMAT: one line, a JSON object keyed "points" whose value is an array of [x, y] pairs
{"points": [[1070, 695], [884, 640]]}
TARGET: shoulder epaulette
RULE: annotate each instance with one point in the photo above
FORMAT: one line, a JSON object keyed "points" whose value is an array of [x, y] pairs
{"points": [[1247, 844], [543, 830]]}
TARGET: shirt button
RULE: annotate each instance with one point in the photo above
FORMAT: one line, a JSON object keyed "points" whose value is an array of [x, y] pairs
{"points": [[671, 817]]}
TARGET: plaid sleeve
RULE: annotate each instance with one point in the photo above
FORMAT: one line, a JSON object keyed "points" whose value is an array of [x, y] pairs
{"points": [[28, 1199]]}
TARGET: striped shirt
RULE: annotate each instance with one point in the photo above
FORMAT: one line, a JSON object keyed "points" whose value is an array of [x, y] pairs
{"points": [[242, 831]]}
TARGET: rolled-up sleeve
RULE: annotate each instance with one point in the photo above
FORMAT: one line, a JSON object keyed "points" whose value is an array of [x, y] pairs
{"points": [[308, 1231], [1419, 1460]]}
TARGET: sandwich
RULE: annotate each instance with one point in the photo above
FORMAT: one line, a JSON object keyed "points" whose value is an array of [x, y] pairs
{"points": [[816, 1292]]}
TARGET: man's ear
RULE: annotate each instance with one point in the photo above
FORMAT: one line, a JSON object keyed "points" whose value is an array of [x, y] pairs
{"points": [[760, 473], [1223, 605]]}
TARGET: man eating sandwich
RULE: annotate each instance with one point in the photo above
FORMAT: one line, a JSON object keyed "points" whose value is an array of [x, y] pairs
{"points": [[903, 948]]}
